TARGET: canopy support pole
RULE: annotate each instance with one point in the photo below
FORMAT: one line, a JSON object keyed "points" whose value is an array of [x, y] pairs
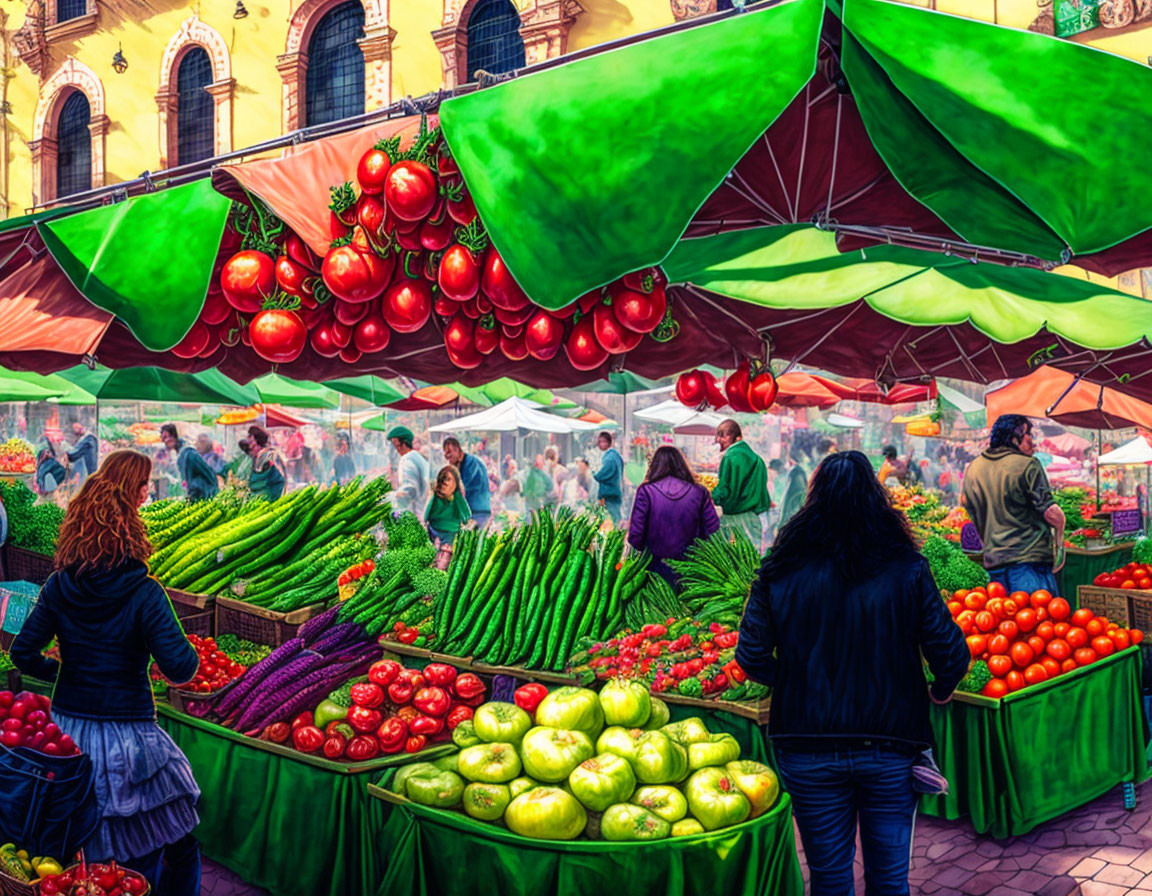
{"points": [[1099, 445]]}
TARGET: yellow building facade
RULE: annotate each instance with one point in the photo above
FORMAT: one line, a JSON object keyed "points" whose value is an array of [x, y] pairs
{"points": [[95, 92]]}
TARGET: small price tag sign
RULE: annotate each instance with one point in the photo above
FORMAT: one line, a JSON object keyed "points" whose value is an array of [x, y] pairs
{"points": [[1126, 522]]}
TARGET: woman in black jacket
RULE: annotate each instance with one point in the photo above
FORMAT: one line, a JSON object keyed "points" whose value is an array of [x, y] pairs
{"points": [[836, 624], [110, 618]]}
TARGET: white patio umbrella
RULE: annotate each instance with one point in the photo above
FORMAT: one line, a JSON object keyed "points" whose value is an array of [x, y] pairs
{"points": [[1137, 452], [683, 420], [514, 414]]}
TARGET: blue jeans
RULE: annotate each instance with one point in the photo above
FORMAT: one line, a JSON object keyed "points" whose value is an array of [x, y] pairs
{"points": [[1027, 577], [173, 870], [832, 793]]}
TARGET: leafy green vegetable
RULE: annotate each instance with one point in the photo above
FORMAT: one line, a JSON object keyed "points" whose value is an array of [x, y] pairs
{"points": [[951, 567], [31, 526], [1070, 501], [978, 676]]}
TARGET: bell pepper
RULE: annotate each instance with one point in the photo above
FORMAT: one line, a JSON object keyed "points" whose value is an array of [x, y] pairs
{"points": [[432, 702], [328, 711], [392, 733], [362, 747], [401, 692], [334, 745], [529, 696], [279, 732], [384, 672], [307, 738], [468, 686], [727, 639], [414, 678], [735, 674], [457, 715], [342, 728], [415, 743], [429, 726], [364, 720], [408, 636], [367, 694], [439, 674], [305, 718]]}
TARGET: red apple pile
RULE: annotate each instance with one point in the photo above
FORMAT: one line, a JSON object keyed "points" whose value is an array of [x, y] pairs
{"points": [[26, 721]]}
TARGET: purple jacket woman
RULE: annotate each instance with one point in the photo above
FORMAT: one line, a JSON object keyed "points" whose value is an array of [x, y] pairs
{"points": [[670, 511]]}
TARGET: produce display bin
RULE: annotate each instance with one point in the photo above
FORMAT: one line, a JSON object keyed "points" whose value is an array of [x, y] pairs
{"points": [[258, 624], [1112, 603], [1024, 759], [439, 851], [1082, 566], [196, 612], [1140, 611], [10, 886], [26, 565]]}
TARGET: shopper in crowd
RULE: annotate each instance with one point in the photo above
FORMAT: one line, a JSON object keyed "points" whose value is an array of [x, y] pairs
{"points": [[577, 488], [110, 619], [206, 448], [343, 467], [537, 486], [199, 479], [742, 492], [894, 466], [448, 509], [241, 466], [474, 476], [84, 455], [510, 494], [670, 512], [610, 477], [1009, 499], [50, 473], [836, 624], [413, 474], [268, 477]]}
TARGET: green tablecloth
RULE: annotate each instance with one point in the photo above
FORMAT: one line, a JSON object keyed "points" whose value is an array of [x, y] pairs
{"points": [[1042, 751], [280, 823], [1081, 567], [438, 852]]}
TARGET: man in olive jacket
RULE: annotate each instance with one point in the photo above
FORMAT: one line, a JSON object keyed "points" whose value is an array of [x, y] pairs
{"points": [[742, 492]]}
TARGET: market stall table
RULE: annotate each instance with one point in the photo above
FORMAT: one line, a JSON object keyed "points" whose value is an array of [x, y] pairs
{"points": [[1016, 762], [1082, 566]]}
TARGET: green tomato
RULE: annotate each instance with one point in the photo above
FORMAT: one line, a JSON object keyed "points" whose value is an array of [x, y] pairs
{"points": [[551, 754], [627, 822], [719, 749], [688, 731], [573, 709], [501, 723], [715, 800], [601, 781], [620, 741], [659, 759], [486, 802], [686, 827], [464, 735], [448, 763], [406, 771], [659, 717], [757, 782], [521, 785], [667, 802], [489, 763], [546, 813], [625, 702], [442, 790]]}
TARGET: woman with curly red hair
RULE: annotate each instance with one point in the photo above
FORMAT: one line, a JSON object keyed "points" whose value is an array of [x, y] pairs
{"points": [[110, 618]]}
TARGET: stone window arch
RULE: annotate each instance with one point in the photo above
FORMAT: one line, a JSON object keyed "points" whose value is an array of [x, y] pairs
{"points": [[545, 25], [376, 45], [195, 34], [72, 76]]}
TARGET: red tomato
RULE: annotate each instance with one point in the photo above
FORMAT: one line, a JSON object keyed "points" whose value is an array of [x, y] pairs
{"points": [[1026, 619], [1095, 627], [247, 279], [999, 665], [1103, 646], [611, 334], [1076, 637], [639, 312], [196, 341], [964, 620], [1084, 656], [736, 390], [543, 336], [582, 348], [1128, 584], [998, 644], [499, 284], [1058, 609], [995, 688], [1011, 607], [1059, 650], [975, 601], [1038, 645], [323, 342], [995, 589], [1022, 654], [995, 606], [1040, 599], [278, 335], [976, 644], [1069, 665], [407, 305], [985, 621], [350, 313], [1061, 629], [1015, 680], [459, 273], [1135, 635], [1041, 614], [1050, 666], [513, 347], [1035, 674], [1009, 629], [356, 274], [371, 335], [1120, 638], [373, 170], [410, 189], [762, 390], [1022, 598], [1046, 630], [955, 607]]}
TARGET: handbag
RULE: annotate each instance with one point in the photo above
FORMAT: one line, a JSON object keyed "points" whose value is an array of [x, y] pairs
{"points": [[47, 803]]}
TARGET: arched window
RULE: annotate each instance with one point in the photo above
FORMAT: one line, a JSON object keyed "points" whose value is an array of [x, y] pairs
{"points": [[334, 85], [494, 41], [73, 146], [195, 111]]}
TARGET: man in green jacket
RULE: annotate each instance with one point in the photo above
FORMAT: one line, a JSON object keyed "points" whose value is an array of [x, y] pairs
{"points": [[742, 493]]}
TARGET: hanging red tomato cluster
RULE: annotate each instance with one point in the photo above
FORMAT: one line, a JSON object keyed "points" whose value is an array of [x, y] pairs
{"points": [[743, 390], [407, 243]]}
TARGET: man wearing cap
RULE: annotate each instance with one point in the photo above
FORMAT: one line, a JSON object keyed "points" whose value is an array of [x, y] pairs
{"points": [[413, 474], [474, 478]]}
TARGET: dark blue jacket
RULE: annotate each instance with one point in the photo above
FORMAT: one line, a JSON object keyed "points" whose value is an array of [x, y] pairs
{"points": [[474, 477], [843, 660], [86, 452], [609, 476], [108, 625], [199, 478]]}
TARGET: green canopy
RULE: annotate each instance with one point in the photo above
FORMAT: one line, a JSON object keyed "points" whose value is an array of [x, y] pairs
{"points": [[147, 259], [491, 394], [378, 423], [619, 383], [372, 389], [16, 386], [159, 384], [276, 389]]}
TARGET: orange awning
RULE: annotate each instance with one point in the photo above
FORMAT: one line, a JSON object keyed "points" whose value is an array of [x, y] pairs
{"points": [[41, 311], [1057, 395]]}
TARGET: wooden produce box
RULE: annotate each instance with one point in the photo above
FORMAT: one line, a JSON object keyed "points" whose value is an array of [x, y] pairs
{"points": [[258, 624], [196, 612], [1112, 603], [26, 565], [1140, 611], [756, 711]]}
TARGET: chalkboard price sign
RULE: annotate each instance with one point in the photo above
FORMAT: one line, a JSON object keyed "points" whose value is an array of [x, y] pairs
{"points": [[1126, 522]]}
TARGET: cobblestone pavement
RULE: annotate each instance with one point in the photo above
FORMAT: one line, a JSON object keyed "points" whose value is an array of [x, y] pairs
{"points": [[1099, 850]]}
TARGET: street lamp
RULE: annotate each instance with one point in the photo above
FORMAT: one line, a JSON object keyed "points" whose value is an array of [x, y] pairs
{"points": [[119, 63], [241, 12]]}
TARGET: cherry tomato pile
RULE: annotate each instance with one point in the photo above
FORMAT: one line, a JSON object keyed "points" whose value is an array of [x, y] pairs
{"points": [[216, 668], [355, 572], [748, 389], [26, 721], [396, 710], [1030, 638], [1134, 575], [94, 880], [406, 244]]}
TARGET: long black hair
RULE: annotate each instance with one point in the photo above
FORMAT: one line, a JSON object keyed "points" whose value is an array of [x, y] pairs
{"points": [[847, 521], [668, 461]]}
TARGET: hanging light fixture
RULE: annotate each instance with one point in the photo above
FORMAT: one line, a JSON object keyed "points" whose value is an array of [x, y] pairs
{"points": [[241, 12], [119, 63]]}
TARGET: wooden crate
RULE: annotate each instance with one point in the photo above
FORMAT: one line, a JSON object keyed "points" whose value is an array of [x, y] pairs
{"points": [[756, 711], [1140, 612], [26, 565], [196, 612], [258, 624], [1112, 603]]}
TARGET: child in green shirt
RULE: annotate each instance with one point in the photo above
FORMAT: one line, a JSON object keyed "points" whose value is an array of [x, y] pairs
{"points": [[448, 510]]}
